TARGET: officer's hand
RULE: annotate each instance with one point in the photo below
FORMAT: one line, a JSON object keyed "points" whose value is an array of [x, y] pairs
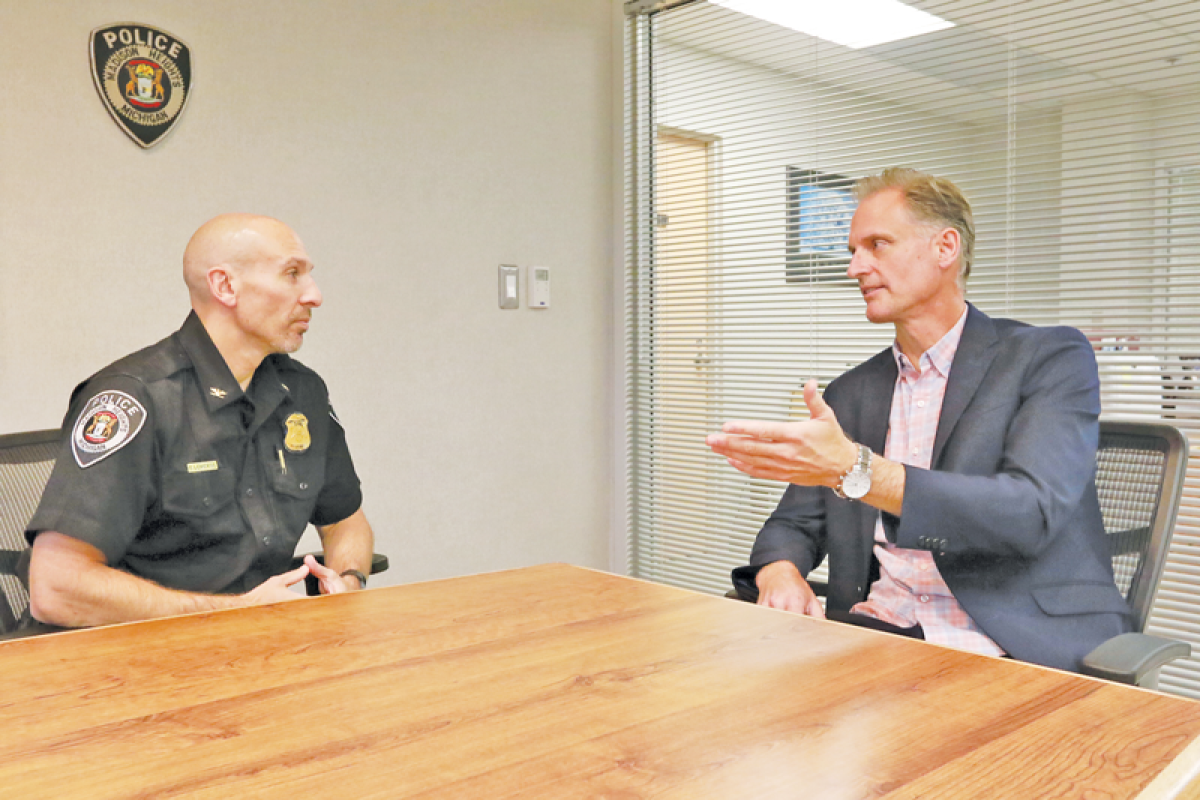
{"points": [[780, 585], [331, 582], [275, 589]]}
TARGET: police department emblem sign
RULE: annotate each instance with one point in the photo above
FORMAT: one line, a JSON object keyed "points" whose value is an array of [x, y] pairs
{"points": [[144, 77]]}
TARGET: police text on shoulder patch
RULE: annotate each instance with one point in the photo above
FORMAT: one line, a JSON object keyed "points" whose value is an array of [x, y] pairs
{"points": [[107, 423], [144, 77]]}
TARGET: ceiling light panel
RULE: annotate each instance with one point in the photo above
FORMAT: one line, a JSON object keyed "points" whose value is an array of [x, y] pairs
{"points": [[852, 23]]}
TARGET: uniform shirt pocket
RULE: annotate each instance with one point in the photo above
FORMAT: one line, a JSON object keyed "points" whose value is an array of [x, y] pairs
{"points": [[199, 494], [302, 480], [296, 490]]}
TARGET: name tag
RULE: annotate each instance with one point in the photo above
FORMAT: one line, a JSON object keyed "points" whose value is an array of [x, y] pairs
{"points": [[202, 466]]}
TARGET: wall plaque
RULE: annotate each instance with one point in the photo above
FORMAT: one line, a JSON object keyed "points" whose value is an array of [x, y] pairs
{"points": [[144, 77]]}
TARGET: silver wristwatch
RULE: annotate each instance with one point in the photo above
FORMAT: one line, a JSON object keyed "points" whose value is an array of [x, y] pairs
{"points": [[857, 482]]}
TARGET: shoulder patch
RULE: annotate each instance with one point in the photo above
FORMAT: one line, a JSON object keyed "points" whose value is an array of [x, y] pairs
{"points": [[108, 422]]}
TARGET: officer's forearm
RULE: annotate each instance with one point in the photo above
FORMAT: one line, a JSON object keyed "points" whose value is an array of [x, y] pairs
{"points": [[348, 544], [71, 586]]}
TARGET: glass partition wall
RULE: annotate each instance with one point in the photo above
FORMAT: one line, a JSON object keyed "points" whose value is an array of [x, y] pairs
{"points": [[1073, 127]]}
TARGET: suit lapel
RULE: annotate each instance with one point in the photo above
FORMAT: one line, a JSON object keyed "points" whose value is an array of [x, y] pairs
{"points": [[976, 350], [875, 409], [876, 401]]}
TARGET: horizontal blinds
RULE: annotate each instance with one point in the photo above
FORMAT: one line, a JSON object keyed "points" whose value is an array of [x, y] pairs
{"points": [[1072, 127]]}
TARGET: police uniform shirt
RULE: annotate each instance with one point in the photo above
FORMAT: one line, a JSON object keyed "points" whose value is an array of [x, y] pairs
{"points": [[177, 476]]}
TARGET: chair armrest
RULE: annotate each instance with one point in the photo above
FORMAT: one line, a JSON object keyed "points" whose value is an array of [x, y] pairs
{"points": [[9, 560], [33, 628], [1131, 657], [379, 563]]}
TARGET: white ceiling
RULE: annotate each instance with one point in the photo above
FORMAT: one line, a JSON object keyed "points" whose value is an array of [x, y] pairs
{"points": [[1055, 49]]}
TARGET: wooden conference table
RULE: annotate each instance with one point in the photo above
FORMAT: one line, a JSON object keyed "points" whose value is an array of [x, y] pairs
{"points": [[561, 682]]}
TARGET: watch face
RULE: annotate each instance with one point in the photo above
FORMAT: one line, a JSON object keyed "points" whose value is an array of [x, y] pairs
{"points": [[856, 484]]}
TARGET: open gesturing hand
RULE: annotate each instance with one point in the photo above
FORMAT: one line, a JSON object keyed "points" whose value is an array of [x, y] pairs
{"points": [[813, 452]]}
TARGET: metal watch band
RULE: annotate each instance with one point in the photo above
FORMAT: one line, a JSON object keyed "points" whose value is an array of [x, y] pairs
{"points": [[860, 474], [362, 579]]}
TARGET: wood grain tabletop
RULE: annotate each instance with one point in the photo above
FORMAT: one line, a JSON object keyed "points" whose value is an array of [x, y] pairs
{"points": [[561, 682]]}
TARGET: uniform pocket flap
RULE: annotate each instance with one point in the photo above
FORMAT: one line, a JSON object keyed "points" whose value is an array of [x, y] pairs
{"points": [[301, 481], [197, 494], [1080, 598]]}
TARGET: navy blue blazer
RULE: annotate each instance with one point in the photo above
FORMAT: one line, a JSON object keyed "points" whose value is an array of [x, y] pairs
{"points": [[1009, 508]]}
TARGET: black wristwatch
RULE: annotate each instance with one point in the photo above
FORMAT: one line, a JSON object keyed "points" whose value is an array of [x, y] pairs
{"points": [[362, 579]]}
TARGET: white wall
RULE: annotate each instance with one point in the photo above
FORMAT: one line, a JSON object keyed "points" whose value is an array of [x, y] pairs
{"points": [[413, 146]]}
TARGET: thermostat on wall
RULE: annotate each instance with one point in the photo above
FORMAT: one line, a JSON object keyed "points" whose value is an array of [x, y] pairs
{"points": [[538, 281]]}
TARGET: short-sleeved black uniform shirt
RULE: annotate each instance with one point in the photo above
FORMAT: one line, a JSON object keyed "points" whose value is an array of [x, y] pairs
{"points": [[178, 476]]}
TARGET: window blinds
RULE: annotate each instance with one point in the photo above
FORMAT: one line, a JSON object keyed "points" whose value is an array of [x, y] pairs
{"points": [[1073, 128]]}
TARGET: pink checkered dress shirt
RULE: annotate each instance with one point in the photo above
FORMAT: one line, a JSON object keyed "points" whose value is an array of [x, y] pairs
{"points": [[910, 590]]}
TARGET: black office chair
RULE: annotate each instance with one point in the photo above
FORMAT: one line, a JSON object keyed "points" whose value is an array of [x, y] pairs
{"points": [[26, 460], [1140, 469]]}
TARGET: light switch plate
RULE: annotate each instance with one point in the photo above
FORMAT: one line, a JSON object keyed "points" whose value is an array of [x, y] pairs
{"points": [[510, 286]]}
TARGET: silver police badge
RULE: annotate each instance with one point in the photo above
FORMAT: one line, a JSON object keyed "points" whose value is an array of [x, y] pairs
{"points": [[144, 77], [107, 423]]}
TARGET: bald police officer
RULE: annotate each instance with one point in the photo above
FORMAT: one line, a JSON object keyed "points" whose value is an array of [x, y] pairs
{"points": [[190, 469]]}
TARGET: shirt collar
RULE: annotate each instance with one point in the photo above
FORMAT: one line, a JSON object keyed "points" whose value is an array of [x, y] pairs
{"points": [[266, 389], [940, 356], [216, 381]]}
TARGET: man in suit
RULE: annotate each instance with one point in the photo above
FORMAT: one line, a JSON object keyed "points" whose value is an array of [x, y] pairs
{"points": [[949, 479]]}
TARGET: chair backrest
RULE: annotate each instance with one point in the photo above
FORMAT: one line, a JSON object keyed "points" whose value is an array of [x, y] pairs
{"points": [[26, 460], [1140, 470]]}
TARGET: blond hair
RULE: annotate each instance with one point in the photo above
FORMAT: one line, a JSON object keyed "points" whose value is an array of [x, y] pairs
{"points": [[932, 200]]}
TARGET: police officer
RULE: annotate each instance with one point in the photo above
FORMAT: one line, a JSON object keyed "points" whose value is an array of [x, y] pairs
{"points": [[190, 469]]}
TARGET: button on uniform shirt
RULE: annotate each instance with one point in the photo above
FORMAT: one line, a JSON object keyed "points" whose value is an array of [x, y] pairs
{"points": [[910, 590], [178, 476]]}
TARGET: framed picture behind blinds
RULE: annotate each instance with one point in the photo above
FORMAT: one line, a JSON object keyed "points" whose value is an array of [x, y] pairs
{"points": [[819, 208]]}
